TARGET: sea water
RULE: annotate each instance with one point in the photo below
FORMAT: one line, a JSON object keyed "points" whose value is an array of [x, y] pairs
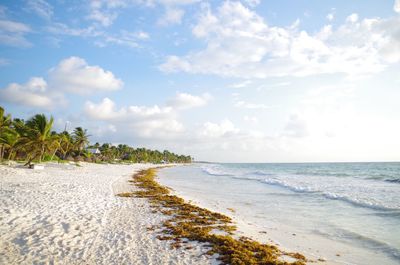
{"points": [[344, 213]]}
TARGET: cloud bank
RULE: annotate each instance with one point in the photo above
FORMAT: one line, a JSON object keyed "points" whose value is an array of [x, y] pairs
{"points": [[71, 75], [239, 43], [155, 122], [76, 76]]}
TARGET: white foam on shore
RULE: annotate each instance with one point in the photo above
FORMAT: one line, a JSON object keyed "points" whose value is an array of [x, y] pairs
{"points": [[70, 215]]}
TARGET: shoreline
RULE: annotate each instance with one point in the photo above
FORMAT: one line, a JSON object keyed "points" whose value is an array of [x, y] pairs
{"points": [[188, 223], [271, 214]]}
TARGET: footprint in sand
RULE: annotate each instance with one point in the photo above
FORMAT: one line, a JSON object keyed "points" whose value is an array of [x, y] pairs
{"points": [[65, 226]]}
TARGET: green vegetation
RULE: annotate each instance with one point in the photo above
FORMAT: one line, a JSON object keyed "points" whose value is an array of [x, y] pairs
{"points": [[34, 140], [214, 230]]}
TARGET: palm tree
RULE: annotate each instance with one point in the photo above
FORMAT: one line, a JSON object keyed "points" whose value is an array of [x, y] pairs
{"points": [[66, 144], [106, 151], [81, 138], [37, 138], [5, 122], [9, 141]]}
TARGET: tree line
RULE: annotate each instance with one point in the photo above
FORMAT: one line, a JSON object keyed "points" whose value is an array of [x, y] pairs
{"points": [[35, 140]]}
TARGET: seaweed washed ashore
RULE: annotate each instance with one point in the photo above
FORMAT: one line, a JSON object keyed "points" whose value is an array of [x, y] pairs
{"points": [[214, 230]]}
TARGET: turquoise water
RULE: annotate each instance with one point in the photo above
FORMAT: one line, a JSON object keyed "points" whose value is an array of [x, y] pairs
{"points": [[354, 206]]}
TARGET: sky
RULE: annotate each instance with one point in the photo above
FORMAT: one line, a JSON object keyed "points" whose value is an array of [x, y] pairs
{"points": [[224, 81]]}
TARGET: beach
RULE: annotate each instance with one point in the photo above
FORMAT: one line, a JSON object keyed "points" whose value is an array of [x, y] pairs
{"points": [[69, 214], [72, 214]]}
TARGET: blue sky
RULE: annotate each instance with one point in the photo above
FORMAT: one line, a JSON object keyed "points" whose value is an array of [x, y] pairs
{"points": [[231, 81]]}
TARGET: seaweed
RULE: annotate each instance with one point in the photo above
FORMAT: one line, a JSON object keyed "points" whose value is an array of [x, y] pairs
{"points": [[214, 230], [125, 194]]}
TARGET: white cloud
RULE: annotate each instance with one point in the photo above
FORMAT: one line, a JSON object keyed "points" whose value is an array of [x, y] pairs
{"points": [[396, 6], [145, 122], [296, 127], [71, 75], [215, 130], [251, 119], [104, 18], [103, 111], [172, 16], [14, 27], [63, 29], [248, 105], [41, 8], [245, 83], [142, 35], [187, 101], [353, 18], [281, 84], [105, 12], [330, 16], [125, 38], [390, 39], [13, 33], [239, 43], [174, 10], [110, 3], [34, 93], [102, 38], [223, 137], [117, 40], [106, 110], [76, 76], [252, 3]]}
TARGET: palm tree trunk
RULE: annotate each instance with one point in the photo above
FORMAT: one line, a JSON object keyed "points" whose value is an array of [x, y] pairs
{"points": [[1, 152], [41, 154], [29, 161], [10, 155], [54, 154], [59, 144]]}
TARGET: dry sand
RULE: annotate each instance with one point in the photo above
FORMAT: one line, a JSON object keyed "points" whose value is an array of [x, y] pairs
{"points": [[67, 214]]}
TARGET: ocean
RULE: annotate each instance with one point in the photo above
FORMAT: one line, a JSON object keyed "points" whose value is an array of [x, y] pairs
{"points": [[343, 213]]}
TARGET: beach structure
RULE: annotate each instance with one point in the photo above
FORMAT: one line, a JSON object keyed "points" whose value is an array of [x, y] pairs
{"points": [[94, 151]]}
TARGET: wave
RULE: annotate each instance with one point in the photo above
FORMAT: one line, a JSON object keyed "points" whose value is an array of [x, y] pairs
{"points": [[259, 173], [323, 174], [289, 186], [359, 191], [213, 171], [245, 178], [219, 171], [393, 180], [388, 213], [343, 193], [388, 177], [358, 202]]}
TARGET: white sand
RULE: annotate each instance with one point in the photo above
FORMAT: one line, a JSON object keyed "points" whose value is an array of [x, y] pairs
{"points": [[66, 214]]}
